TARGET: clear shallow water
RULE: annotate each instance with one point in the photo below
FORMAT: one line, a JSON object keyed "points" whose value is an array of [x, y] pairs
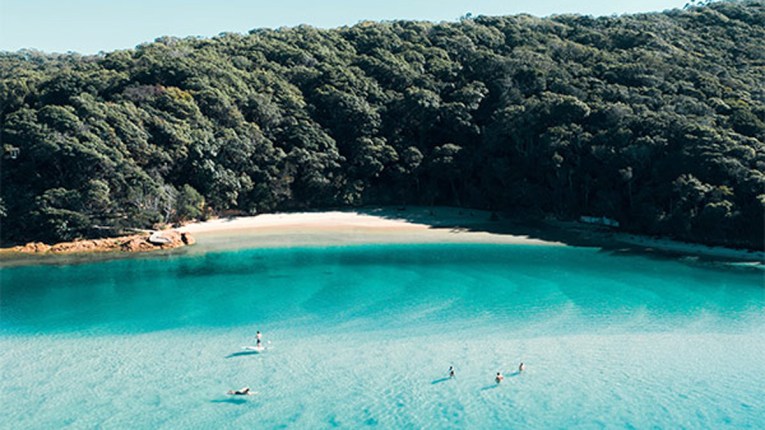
{"points": [[362, 336]]}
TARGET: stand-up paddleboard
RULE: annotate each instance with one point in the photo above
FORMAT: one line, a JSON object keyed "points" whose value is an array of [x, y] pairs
{"points": [[257, 348], [235, 393], [254, 348]]}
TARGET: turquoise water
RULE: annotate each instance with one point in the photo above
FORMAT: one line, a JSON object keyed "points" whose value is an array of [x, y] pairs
{"points": [[363, 336]]}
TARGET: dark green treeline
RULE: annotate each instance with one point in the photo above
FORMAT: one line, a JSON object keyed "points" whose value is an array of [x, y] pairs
{"points": [[655, 120]]}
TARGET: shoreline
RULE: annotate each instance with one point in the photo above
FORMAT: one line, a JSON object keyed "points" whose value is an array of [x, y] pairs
{"points": [[621, 241], [690, 249], [385, 225], [377, 226], [149, 241], [435, 225]]}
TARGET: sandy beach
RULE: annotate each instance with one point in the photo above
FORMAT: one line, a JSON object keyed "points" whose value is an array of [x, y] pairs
{"points": [[399, 226], [430, 225], [414, 225]]}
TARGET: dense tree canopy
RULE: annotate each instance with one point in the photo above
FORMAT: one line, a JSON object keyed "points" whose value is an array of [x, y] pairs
{"points": [[655, 120]]}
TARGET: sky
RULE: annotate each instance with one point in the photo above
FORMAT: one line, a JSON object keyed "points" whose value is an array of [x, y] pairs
{"points": [[90, 26]]}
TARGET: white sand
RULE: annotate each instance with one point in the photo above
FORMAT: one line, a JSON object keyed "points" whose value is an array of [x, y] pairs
{"points": [[337, 228], [302, 220], [414, 225]]}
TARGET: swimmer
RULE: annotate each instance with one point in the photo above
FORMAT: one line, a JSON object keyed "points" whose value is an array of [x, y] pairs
{"points": [[499, 377], [451, 372], [240, 392], [521, 367]]}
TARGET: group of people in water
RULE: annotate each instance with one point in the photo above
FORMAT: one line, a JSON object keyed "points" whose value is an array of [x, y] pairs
{"points": [[498, 379], [245, 391]]}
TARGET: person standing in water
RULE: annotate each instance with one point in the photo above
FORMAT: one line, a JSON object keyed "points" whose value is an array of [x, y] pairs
{"points": [[258, 338], [499, 378], [451, 372]]}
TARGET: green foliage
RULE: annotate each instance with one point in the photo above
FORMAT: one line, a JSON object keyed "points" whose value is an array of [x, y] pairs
{"points": [[656, 120], [58, 214], [191, 204]]}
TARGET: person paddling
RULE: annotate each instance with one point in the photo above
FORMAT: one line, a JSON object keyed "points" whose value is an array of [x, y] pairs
{"points": [[499, 378], [451, 372], [258, 337], [521, 367], [240, 392]]}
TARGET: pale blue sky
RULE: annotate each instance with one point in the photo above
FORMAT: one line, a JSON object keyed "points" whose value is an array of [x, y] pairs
{"points": [[89, 26]]}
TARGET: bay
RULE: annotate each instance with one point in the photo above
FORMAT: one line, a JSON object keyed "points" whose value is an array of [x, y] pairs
{"points": [[363, 336]]}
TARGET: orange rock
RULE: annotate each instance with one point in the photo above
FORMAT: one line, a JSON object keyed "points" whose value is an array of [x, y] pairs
{"points": [[32, 248], [134, 243]]}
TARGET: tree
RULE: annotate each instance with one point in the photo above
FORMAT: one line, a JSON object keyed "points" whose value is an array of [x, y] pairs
{"points": [[190, 204], [637, 118]]}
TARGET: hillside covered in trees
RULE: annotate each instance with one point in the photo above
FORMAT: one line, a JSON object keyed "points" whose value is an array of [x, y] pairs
{"points": [[655, 120]]}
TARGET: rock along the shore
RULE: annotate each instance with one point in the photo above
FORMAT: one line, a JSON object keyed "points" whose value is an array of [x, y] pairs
{"points": [[132, 243]]}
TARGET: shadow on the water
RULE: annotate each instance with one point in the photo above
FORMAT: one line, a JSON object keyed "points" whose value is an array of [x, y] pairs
{"points": [[490, 387], [473, 220], [242, 354], [236, 401], [516, 373], [440, 380], [567, 232]]}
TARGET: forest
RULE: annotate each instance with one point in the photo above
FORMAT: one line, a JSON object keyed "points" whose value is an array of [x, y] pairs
{"points": [[655, 120]]}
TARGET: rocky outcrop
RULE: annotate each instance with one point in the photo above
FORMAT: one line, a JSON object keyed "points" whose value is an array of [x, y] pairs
{"points": [[134, 243], [33, 248]]}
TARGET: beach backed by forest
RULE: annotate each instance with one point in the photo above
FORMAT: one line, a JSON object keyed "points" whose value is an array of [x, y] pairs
{"points": [[488, 222], [379, 225], [653, 121]]}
